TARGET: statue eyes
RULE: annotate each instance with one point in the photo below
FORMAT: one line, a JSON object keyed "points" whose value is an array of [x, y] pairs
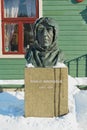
{"points": [[42, 29], [50, 29]]}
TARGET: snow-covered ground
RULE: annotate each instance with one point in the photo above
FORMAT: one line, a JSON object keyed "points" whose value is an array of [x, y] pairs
{"points": [[12, 112]]}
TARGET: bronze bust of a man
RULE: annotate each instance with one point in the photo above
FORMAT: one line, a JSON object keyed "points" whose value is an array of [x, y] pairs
{"points": [[44, 52]]}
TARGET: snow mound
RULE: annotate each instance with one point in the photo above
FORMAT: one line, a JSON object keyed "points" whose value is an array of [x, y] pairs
{"points": [[12, 112]]}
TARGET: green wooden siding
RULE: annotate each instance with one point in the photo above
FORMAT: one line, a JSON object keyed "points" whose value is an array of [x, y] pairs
{"points": [[72, 28], [72, 36], [12, 68]]}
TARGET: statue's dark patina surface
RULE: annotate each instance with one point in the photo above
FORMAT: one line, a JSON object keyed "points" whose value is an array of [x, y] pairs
{"points": [[44, 51]]}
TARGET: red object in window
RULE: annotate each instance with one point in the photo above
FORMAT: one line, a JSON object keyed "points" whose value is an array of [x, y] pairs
{"points": [[79, 0]]}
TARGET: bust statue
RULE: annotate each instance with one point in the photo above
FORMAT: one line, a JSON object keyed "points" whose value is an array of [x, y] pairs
{"points": [[44, 51]]}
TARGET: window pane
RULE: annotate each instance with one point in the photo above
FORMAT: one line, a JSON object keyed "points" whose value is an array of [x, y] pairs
{"points": [[28, 35], [11, 38], [19, 8]]}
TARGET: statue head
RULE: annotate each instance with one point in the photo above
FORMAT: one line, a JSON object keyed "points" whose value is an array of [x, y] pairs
{"points": [[45, 32], [45, 51]]}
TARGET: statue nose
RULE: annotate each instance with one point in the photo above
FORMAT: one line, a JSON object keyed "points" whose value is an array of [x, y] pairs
{"points": [[45, 32]]}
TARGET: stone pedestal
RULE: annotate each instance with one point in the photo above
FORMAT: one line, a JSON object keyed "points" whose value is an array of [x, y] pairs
{"points": [[46, 92]]}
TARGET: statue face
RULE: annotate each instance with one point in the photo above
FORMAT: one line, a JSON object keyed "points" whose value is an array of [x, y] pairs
{"points": [[45, 35]]}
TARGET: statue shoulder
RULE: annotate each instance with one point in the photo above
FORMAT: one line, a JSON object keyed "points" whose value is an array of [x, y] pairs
{"points": [[61, 57]]}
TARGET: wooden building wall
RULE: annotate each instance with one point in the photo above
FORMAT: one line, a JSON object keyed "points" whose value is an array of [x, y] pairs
{"points": [[12, 68], [72, 36], [72, 28]]}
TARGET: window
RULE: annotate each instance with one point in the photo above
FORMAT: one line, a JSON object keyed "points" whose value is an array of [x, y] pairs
{"points": [[18, 17]]}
